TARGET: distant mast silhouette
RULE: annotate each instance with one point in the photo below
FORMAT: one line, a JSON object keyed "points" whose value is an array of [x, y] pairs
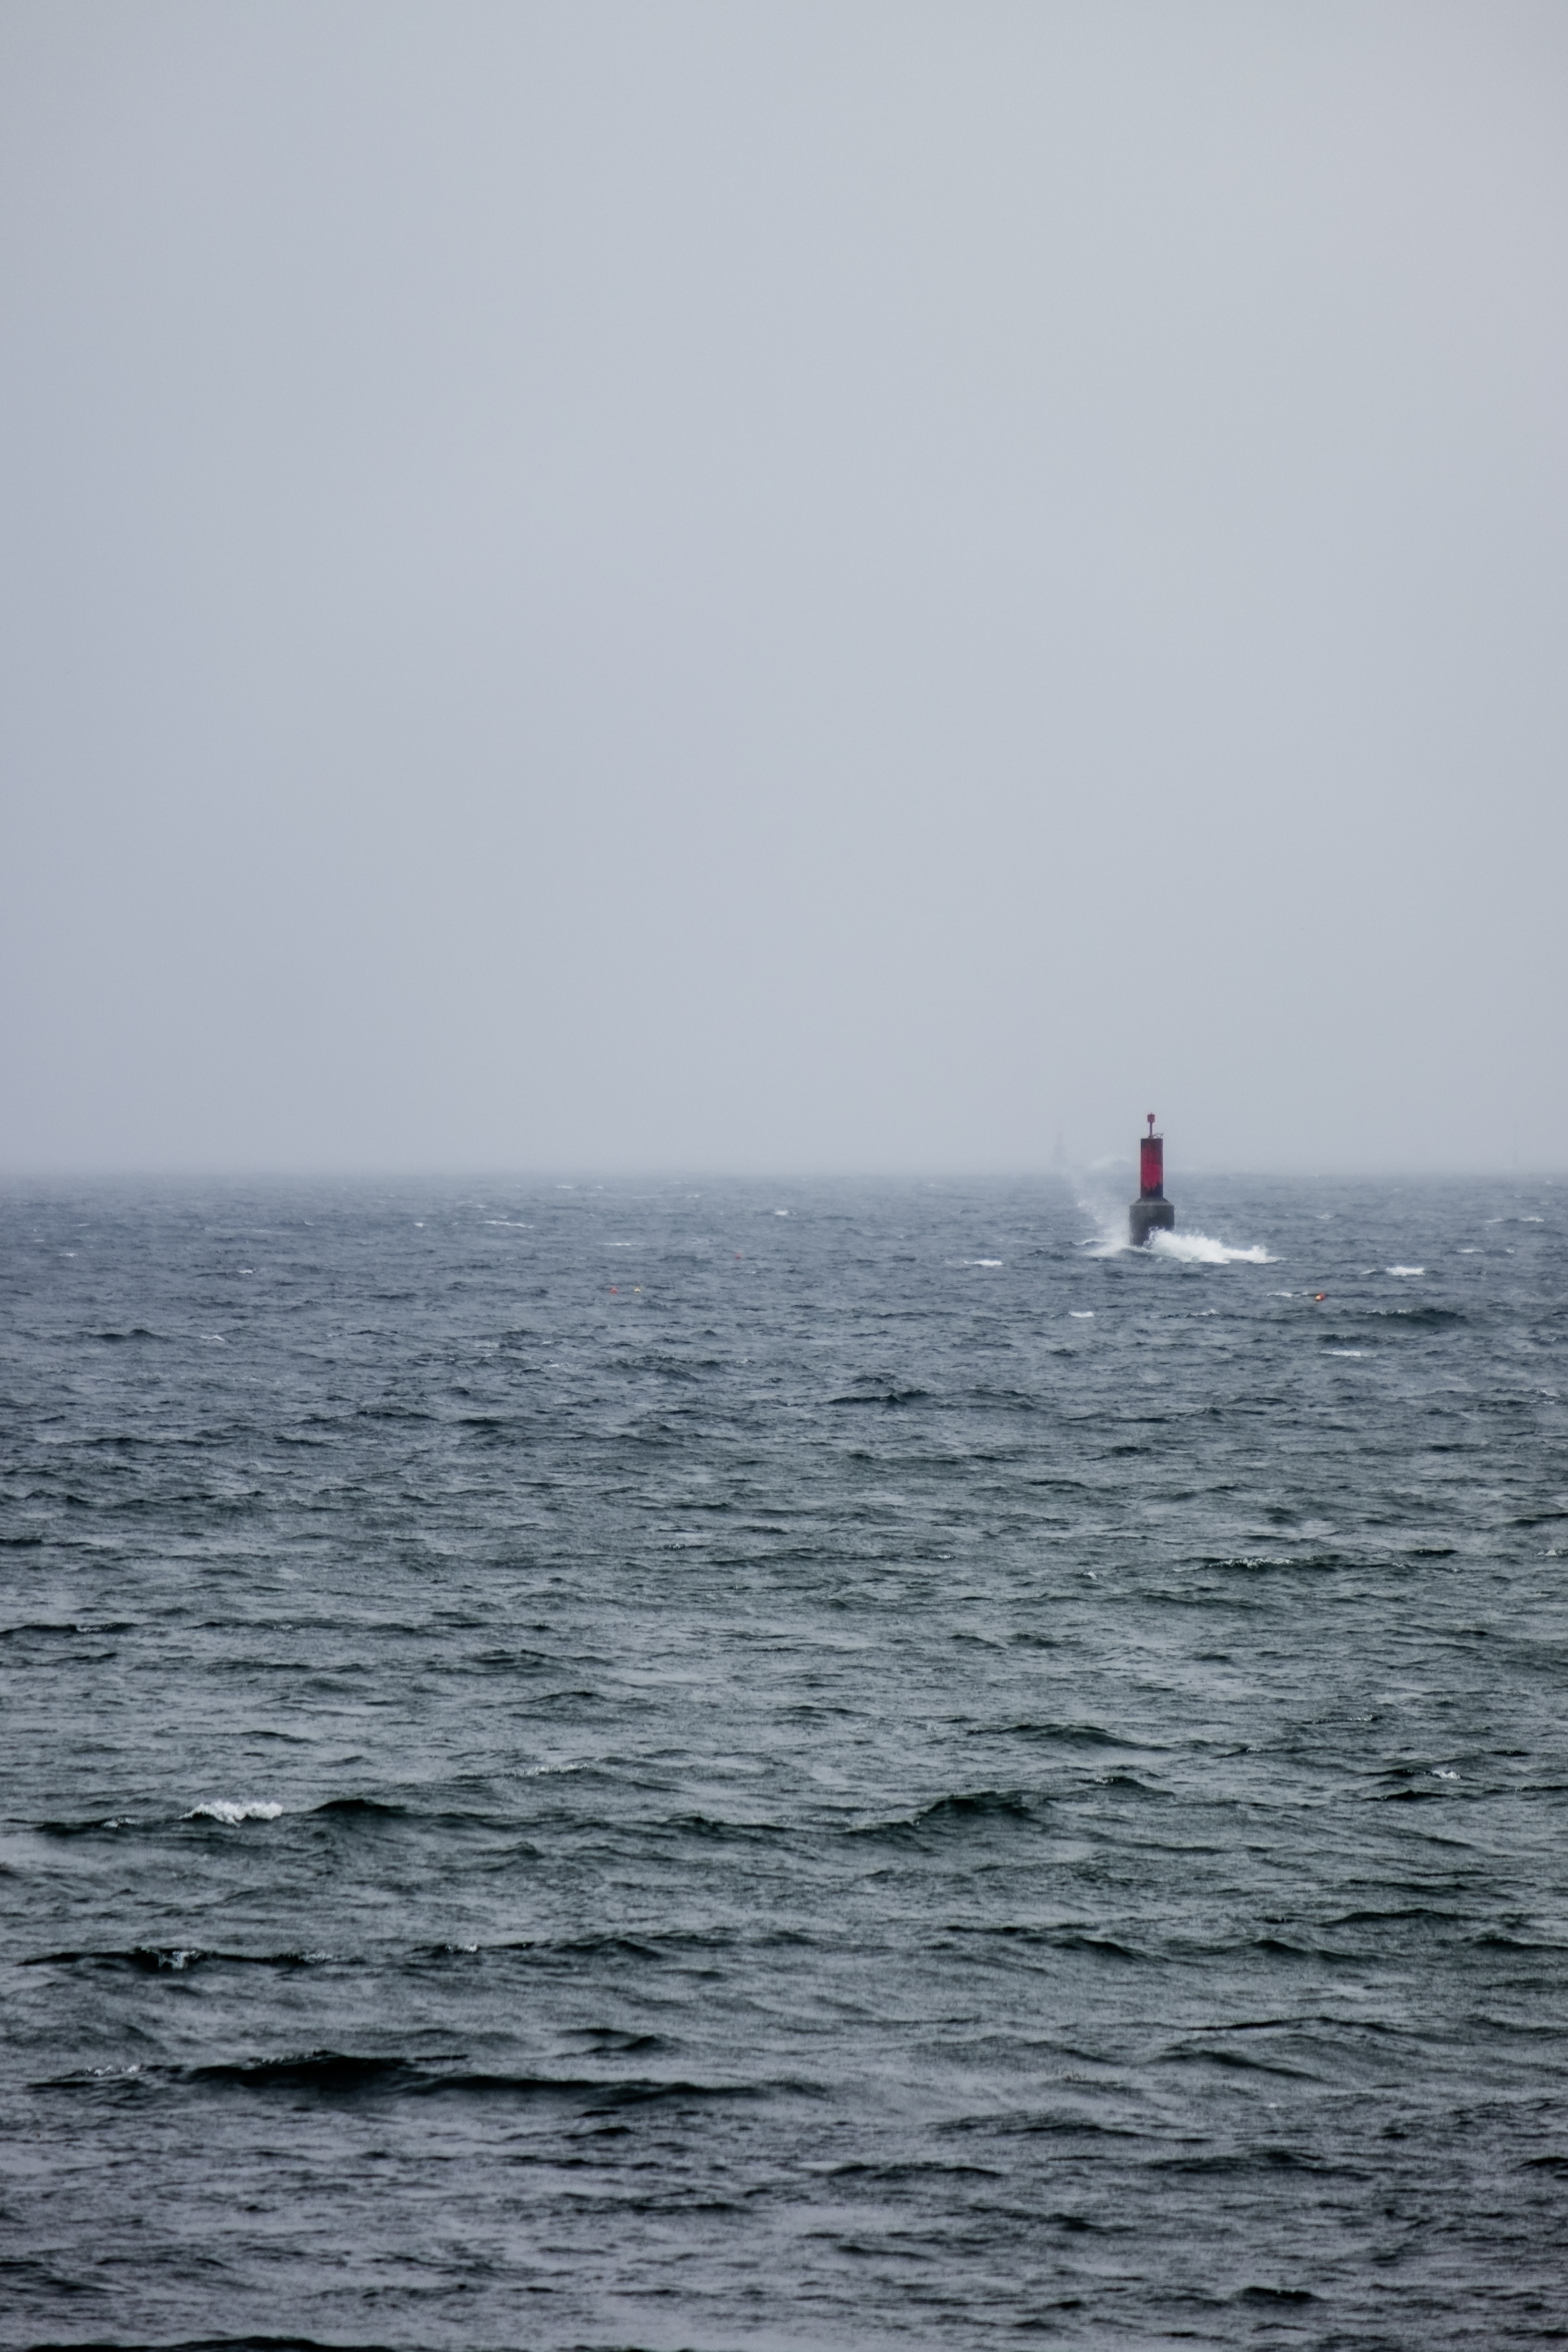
{"points": [[1150, 1211]]}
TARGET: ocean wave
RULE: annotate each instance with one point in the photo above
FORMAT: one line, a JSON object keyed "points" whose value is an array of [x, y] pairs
{"points": [[368, 1808], [1068, 1735], [346, 2075], [1235, 2061], [1053, 1939], [165, 1960], [980, 1808], [91, 1828], [706, 1826], [141, 1959], [1410, 1317], [1132, 1784], [1203, 1249], [885, 1396], [1112, 1240], [231, 1813]]}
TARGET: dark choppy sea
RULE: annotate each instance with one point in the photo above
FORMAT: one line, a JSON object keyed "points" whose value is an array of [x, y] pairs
{"points": [[797, 1765]]}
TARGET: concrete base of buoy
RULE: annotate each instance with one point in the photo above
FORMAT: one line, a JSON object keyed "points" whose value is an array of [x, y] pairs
{"points": [[1145, 1217]]}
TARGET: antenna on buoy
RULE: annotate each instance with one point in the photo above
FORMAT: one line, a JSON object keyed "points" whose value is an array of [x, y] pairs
{"points": [[1150, 1211]]}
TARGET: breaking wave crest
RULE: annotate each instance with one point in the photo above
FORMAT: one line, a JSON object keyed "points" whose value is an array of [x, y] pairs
{"points": [[1201, 1249], [220, 1809], [1186, 1248]]}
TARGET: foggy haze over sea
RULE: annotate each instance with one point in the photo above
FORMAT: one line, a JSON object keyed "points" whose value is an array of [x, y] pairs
{"points": [[782, 587]]}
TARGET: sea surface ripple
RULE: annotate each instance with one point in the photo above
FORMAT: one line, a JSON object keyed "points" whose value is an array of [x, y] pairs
{"points": [[784, 1765]]}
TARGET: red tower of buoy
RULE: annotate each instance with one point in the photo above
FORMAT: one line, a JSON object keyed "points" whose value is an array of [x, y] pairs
{"points": [[1150, 1211]]}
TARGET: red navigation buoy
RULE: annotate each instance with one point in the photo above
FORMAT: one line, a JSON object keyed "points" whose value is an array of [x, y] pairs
{"points": [[1150, 1211]]}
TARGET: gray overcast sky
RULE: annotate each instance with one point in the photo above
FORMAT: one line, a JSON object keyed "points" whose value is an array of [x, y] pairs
{"points": [[790, 584]]}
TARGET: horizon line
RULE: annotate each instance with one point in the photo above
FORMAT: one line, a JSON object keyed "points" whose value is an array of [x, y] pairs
{"points": [[570, 1175]]}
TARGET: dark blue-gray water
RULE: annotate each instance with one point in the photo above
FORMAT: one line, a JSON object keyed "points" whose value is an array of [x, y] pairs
{"points": [[784, 1766]]}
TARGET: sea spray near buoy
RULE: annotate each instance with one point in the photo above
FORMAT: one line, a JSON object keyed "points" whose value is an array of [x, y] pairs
{"points": [[1203, 1249]]}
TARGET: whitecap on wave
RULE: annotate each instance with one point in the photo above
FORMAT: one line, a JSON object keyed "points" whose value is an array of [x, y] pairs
{"points": [[1201, 1249], [220, 1809]]}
